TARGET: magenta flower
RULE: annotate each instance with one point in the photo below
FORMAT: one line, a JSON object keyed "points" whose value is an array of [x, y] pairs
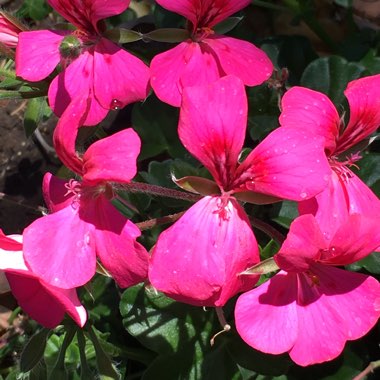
{"points": [[206, 56], [9, 30], [62, 247], [93, 67], [346, 193], [198, 259], [45, 303], [310, 308]]}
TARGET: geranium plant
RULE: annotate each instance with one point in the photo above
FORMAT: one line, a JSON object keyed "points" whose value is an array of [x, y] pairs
{"points": [[223, 221]]}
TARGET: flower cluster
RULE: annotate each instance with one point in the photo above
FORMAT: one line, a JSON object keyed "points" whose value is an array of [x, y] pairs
{"points": [[309, 308]]}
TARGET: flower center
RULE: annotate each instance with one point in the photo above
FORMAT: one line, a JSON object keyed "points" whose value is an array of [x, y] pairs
{"points": [[223, 209], [202, 33], [342, 167]]}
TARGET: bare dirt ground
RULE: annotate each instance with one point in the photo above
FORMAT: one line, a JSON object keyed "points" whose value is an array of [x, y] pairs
{"points": [[23, 161]]}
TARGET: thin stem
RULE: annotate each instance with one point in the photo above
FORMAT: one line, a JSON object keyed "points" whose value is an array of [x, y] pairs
{"points": [[85, 369], [223, 323], [140, 187], [371, 367], [277, 236], [6, 198], [148, 224]]}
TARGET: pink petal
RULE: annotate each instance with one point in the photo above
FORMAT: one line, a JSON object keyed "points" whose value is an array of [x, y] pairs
{"points": [[37, 53], [302, 245], [361, 199], [66, 132], [75, 11], [266, 317], [364, 98], [212, 126], [330, 207], [85, 14], [242, 59], [313, 111], [188, 64], [116, 245], [197, 260], [45, 303], [355, 239], [60, 248], [112, 159], [346, 194], [290, 163], [8, 32], [120, 78], [348, 308], [77, 82], [204, 13], [9, 243], [56, 193]]}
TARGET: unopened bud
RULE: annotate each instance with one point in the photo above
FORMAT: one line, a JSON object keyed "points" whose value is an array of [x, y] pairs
{"points": [[70, 47], [10, 27]]}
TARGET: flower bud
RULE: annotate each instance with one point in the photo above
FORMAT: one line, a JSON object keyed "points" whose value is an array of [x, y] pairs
{"points": [[10, 28], [70, 47]]}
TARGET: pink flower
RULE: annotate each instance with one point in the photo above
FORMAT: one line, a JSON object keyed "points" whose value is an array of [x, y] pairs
{"points": [[93, 66], [62, 247], [197, 260], [206, 56], [310, 308], [346, 193], [45, 303], [9, 29]]}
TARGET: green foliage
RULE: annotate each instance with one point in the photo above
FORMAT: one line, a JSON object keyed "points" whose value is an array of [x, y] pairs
{"points": [[34, 9], [331, 75]]}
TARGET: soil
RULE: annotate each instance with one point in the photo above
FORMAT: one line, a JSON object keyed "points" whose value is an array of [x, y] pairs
{"points": [[23, 162]]}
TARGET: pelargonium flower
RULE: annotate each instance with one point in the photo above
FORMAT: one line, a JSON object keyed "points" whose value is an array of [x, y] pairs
{"points": [[62, 247], [311, 110], [45, 303], [10, 28], [93, 66], [310, 308], [197, 260], [206, 56]]}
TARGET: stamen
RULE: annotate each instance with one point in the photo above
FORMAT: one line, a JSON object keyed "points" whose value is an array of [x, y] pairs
{"points": [[223, 209], [202, 33]]}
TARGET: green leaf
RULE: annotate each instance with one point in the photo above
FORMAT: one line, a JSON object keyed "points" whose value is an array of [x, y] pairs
{"points": [[287, 213], [331, 75], [371, 61], [369, 168], [371, 263], [254, 360], [269, 250], [158, 322], [263, 111], [35, 9], [106, 369], [227, 25], [156, 123], [36, 109], [194, 362], [197, 185], [173, 35], [34, 350], [123, 36]]}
